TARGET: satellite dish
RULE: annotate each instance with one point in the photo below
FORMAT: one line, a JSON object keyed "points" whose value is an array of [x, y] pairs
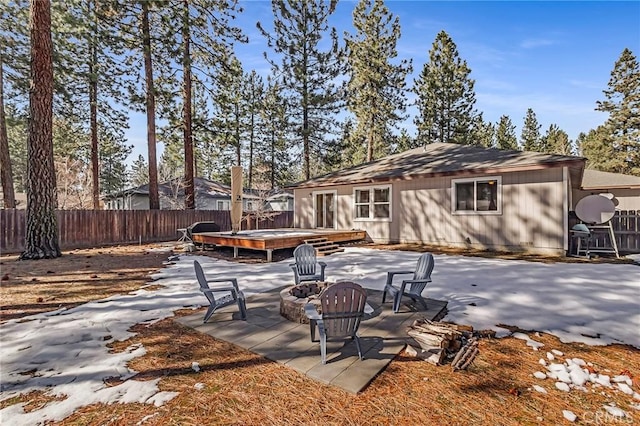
{"points": [[595, 209]]}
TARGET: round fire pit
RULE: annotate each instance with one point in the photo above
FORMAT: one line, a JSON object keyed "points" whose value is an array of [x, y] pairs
{"points": [[294, 298]]}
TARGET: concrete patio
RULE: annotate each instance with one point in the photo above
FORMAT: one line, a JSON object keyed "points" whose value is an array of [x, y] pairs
{"points": [[382, 335]]}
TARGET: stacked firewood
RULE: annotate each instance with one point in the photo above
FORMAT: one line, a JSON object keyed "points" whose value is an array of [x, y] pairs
{"points": [[442, 341]]}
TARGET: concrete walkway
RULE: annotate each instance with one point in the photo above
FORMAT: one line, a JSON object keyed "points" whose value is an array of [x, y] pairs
{"points": [[382, 336]]}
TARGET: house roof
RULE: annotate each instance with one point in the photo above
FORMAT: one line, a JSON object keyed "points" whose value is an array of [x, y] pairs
{"points": [[445, 159], [595, 179], [203, 188]]}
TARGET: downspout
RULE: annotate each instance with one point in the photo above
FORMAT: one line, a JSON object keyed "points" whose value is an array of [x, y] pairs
{"points": [[566, 182]]}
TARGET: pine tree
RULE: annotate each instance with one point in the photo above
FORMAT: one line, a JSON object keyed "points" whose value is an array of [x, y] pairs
{"points": [[113, 173], [530, 136], [506, 134], [597, 146], [622, 103], [277, 166], [308, 73], [8, 194], [92, 76], [42, 229], [376, 86], [138, 24], [17, 137], [205, 35], [139, 174], [445, 94], [14, 86], [254, 94], [484, 132], [556, 141]]}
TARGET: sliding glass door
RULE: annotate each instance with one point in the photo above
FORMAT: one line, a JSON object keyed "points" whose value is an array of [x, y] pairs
{"points": [[325, 209]]}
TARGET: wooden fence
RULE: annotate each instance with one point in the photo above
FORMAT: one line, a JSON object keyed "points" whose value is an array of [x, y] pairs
{"points": [[626, 228], [96, 228]]}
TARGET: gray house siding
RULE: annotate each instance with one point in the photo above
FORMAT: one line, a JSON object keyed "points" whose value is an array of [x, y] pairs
{"points": [[532, 217]]}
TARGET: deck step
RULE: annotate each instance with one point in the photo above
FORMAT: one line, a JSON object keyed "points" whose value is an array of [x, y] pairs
{"points": [[327, 252], [321, 244], [313, 241], [324, 246]]}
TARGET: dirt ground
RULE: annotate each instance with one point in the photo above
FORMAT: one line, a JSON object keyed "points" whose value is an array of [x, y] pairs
{"points": [[243, 388]]}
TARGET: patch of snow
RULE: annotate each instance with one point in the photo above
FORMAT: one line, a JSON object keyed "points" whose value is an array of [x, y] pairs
{"points": [[550, 356], [578, 377], [621, 379], [539, 388], [530, 342], [563, 376], [68, 351], [563, 386], [569, 415], [557, 352], [160, 398], [625, 388], [199, 386], [145, 418], [540, 375], [604, 380], [578, 361], [557, 368], [615, 411], [195, 366]]}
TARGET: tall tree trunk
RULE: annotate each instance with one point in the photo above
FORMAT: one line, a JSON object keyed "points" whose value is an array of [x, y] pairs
{"points": [[251, 136], [273, 159], [42, 228], [154, 198], [189, 187], [237, 135], [306, 132], [5, 160], [93, 112], [370, 141]]}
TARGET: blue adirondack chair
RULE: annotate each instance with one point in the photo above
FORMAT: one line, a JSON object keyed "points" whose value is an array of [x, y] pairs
{"points": [[306, 266], [233, 293], [343, 306], [416, 285]]}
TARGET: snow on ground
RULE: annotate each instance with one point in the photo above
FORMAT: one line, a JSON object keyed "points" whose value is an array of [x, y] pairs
{"points": [[65, 353]]}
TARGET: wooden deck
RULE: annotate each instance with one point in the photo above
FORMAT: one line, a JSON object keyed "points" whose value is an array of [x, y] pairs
{"points": [[269, 240]]}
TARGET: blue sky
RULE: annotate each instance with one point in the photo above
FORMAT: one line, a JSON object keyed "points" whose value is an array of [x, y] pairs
{"points": [[554, 57]]}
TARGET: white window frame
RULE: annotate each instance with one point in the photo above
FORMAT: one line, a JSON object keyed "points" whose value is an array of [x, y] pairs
{"points": [[475, 210], [372, 204], [223, 204]]}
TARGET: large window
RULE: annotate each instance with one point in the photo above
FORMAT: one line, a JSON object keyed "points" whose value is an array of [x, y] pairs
{"points": [[372, 203], [477, 195]]}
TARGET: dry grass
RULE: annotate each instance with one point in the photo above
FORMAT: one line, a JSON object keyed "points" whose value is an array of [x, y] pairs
{"points": [[33, 286], [240, 387]]}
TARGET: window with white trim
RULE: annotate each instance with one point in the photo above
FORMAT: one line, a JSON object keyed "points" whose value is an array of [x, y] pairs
{"points": [[372, 203], [477, 195]]}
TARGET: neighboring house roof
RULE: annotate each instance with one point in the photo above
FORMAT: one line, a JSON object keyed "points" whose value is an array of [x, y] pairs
{"points": [[280, 195], [446, 159], [203, 188], [597, 180]]}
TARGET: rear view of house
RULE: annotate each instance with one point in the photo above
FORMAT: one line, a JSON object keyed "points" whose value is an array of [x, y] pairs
{"points": [[450, 195]]}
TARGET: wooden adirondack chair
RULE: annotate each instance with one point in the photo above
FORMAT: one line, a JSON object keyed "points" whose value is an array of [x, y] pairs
{"points": [[234, 295], [421, 277], [306, 266], [342, 305]]}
